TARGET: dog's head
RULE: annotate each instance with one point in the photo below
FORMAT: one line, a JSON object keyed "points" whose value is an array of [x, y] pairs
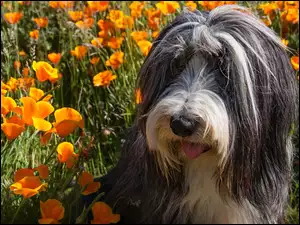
{"points": [[219, 82]]}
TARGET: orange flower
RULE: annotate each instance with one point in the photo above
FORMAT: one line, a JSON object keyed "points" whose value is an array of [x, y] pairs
{"points": [[12, 130], [209, 5], [97, 42], [136, 8], [290, 15], [85, 24], [54, 57], [25, 71], [75, 15], [115, 43], [17, 65], [124, 22], [52, 211], [106, 25], [94, 60], [103, 78], [67, 120], [138, 96], [103, 214], [115, 60], [115, 15], [41, 22], [139, 35], [44, 71], [66, 154], [28, 186], [79, 52], [36, 94], [86, 180], [153, 16], [7, 104], [22, 53], [12, 83], [268, 8], [155, 34], [53, 4], [167, 7], [295, 62], [21, 173], [43, 171], [145, 47], [97, 6], [66, 4], [34, 34], [35, 112], [191, 5], [13, 17]]}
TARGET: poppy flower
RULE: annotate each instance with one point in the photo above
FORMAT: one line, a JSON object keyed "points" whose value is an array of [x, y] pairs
{"points": [[145, 46], [136, 8], [115, 60], [7, 104], [191, 5], [44, 71], [138, 96], [54, 57], [86, 180], [103, 214], [13, 17], [41, 22], [52, 211], [23, 172], [34, 34], [295, 62], [167, 7], [115, 42], [43, 171], [97, 6], [79, 52], [75, 15], [139, 35], [94, 60], [66, 154], [85, 24], [28, 186], [103, 78], [67, 120]]}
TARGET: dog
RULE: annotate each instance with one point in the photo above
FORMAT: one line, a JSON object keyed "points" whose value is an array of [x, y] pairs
{"points": [[211, 142]]}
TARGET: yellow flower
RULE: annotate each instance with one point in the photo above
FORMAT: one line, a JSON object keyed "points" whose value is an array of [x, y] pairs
{"points": [[167, 7], [139, 35], [66, 154], [13, 17], [191, 5], [75, 15], [145, 46], [136, 8]]}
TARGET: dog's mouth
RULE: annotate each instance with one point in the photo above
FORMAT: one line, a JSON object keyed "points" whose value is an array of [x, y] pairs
{"points": [[193, 150]]}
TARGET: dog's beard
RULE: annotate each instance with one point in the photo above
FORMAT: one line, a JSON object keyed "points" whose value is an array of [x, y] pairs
{"points": [[194, 92]]}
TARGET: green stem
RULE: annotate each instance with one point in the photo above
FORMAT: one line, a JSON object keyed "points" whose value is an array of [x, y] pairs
{"points": [[20, 206], [85, 211]]}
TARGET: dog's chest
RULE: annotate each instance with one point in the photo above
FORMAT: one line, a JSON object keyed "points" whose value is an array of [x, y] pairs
{"points": [[203, 202]]}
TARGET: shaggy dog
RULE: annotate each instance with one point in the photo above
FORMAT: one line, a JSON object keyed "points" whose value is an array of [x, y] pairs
{"points": [[211, 141]]}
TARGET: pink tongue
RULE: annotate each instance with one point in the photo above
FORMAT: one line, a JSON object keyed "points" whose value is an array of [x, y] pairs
{"points": [[192, 150]]}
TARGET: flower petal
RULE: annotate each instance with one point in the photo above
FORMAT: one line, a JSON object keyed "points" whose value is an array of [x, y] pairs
{"points": [[41, 124], [66, 127], [12, 130], [30, 109], [43, 171], [21, 173]]}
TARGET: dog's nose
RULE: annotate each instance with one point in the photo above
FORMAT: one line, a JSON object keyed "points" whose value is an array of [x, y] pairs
{"points": [[182, 126]]}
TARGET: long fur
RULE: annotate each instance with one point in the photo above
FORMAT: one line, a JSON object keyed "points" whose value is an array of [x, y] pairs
{"points": [[230, 72]]}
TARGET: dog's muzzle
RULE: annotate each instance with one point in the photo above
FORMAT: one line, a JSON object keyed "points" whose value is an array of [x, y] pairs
{"points": [[182, 125]]}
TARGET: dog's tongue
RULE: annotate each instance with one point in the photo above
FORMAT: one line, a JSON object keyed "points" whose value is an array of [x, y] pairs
{"points": [[192, 151]]}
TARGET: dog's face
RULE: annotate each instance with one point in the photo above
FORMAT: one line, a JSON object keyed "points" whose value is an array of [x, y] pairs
{"points": [[222, 84]]}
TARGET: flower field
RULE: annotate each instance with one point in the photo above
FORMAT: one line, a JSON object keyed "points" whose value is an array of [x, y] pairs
{"points": [[68, 94]]}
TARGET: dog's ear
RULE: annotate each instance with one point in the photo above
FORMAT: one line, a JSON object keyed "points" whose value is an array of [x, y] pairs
{"points": [[157, 67], [262, 98]]}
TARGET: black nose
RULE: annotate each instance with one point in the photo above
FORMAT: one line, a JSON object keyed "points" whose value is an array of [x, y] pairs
{"points": [[182, 126]]}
